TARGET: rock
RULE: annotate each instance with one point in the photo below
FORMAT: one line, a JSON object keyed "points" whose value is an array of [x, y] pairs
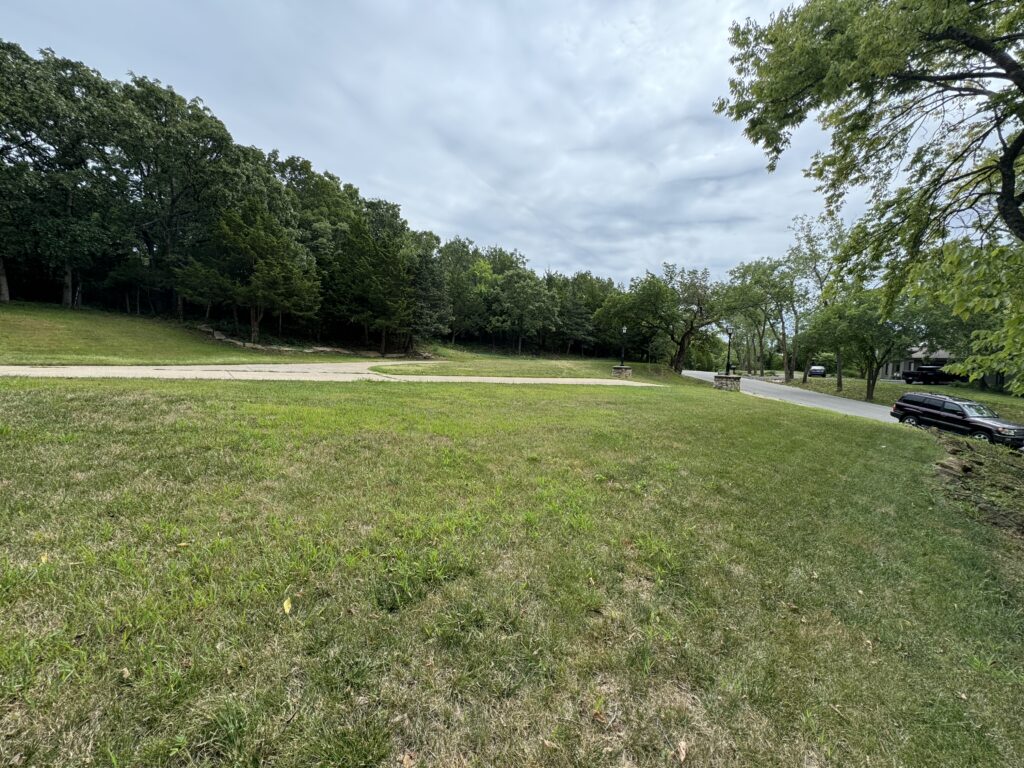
{"points": [[219, 336], [204, 328], [328, 350]]}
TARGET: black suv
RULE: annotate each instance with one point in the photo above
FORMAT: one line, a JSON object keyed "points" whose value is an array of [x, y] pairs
{"points": [[957, 414]]}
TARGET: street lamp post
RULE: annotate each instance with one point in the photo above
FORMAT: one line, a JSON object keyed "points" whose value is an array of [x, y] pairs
{"points": [[728, 352], [622, 355]]}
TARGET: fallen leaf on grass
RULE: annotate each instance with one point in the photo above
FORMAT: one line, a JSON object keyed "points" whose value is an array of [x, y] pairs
{"points": [[408, 760], [287, 605], [681, 752]]}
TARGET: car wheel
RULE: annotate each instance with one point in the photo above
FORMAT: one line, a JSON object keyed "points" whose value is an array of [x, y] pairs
{"points": [[979, 435], [911, 421]]}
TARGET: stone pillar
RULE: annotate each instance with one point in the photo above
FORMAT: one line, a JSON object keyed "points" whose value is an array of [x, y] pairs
{"points": [[727, 381]]}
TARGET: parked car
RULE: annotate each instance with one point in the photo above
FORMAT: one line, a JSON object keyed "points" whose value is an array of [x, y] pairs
{"points": [[957, 414], [816, 370], [930, 374]]}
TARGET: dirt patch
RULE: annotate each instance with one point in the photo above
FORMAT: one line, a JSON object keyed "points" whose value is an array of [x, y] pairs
{"points": [[987, 478]]}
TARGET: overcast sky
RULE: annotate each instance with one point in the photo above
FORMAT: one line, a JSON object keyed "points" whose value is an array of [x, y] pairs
{"points": [[580, 133]]}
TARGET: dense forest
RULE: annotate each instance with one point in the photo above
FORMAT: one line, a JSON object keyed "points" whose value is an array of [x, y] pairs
{"points": [[126, 195]]}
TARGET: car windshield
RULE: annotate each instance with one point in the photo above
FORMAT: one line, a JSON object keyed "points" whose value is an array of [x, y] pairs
{"points": [[977, 409]]}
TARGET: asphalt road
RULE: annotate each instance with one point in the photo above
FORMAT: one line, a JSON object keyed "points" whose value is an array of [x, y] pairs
{"points": [[805, 397]]}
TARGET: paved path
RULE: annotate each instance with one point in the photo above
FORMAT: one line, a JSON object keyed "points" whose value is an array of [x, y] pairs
{"points": [[284, 372], [805, 397]]}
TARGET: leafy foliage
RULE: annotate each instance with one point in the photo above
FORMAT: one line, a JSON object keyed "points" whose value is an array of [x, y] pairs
{"points": [[924, 103]]}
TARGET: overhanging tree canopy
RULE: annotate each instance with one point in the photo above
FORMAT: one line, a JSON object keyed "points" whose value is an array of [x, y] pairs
{"points": [[924, 102]]}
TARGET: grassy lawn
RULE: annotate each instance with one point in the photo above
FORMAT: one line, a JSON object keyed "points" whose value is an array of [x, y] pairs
{"points": [[887, 392], [456, 361], [44, 334], [290, 574]]}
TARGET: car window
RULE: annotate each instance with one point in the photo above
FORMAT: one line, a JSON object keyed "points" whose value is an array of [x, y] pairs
{"points": [[952, 408], [915, 399], [932, 402], [979, 410]]}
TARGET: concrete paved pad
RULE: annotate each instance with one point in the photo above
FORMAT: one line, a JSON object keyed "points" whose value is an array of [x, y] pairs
{"points": [[339, 372], [805, 397]]}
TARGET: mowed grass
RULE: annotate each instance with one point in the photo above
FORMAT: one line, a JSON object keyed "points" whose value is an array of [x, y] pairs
{"points": [[44, 334], [458, 361], [888, 392], [487, 575]]}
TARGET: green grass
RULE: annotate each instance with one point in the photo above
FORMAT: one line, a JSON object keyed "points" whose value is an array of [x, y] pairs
{"points": [[43, 334], [888, 392], [489, 576], [457, 361]]}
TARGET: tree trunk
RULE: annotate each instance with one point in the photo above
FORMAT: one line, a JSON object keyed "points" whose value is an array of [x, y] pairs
{"points": [[383, 341], [207, 315], [66, 295], [568, 347], [234, 316], [787, 374], [180, 300], [839, 370], [138, 300], [5, 292], [127, 302], [679, 360], [280, 324], [519, 345], [796, 351], [65, 298], [77, 302], [1008, 201], [453, 337], [760, 349], [255, 315], [872, 378]]}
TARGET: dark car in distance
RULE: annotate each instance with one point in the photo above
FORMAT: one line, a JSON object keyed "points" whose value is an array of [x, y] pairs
{"points": [[930, 374], [957, 414]]}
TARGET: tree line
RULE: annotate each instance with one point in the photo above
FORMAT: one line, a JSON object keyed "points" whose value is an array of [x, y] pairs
{"points": [[796, 310], [130, 196]]}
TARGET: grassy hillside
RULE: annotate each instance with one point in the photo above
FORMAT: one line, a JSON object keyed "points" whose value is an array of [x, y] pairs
{"points": [[459, 361], [44, 334], [207, 573], [888, 392]]}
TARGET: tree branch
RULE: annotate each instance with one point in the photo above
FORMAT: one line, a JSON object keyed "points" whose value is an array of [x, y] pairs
{"points": [[986, 48]]}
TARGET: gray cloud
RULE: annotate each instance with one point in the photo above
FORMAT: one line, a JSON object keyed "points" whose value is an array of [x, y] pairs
{"points": [[580, 133]]}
